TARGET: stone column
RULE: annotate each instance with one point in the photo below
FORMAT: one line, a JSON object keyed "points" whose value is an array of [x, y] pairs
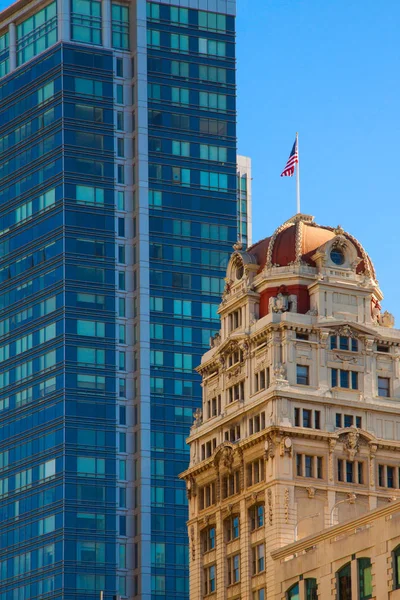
{"points": [[245, 558], [220, 556]]}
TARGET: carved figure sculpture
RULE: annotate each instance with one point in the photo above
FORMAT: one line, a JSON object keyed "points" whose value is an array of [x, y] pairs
{"points": [[283, 302]]}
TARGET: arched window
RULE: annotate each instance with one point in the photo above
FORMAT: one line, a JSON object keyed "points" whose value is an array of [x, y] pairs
{"points": [[396, 567], [311, 589], [293, 593], [364, 578], [343, 577]]}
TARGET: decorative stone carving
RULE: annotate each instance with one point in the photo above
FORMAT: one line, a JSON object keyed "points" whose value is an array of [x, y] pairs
{"points": [[340, 243], [373, 449], [215, 340], [345, 358], [338, 230], [368, 345], [387, 319], [323, 338], [192, 542], [227, 458], [376, 311], [311, 492], [286, 505], [191, 488], [245, 348], [270, 509], [313, 312], [283, 302], [280, 371], [253, 319], [351, 444], [269, 447], [332, 446], [238, 246], [347, 331], [286, 446], [198, 417]]}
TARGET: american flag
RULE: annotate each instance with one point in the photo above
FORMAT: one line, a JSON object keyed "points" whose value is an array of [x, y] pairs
{"points": [[293, 160]]}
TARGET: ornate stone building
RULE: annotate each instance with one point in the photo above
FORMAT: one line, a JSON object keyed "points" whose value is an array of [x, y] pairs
{"points": [[300, 425]]}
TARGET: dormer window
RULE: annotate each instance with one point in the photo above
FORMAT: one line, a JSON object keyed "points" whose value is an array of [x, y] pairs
{"points": [[337, 256]]}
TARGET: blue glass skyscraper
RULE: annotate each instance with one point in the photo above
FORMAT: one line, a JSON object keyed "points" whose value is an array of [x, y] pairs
{"points": [[118, 211]]}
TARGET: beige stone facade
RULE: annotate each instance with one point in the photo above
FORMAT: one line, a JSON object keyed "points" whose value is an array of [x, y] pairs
{"points": [[300, 425], [372, 540]]}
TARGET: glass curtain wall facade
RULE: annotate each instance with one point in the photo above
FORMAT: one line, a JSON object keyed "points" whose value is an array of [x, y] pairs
{"points": [[118, 211], [192, 226]]}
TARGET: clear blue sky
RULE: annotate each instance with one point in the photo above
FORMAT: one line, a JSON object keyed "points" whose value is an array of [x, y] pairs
{"points": [[328, 69]]}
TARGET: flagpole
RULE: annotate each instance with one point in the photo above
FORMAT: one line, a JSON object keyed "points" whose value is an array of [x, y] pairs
{"points": [[298, 175]]}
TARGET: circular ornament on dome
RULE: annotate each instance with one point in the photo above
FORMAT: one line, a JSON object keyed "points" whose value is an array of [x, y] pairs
{"points": [[337, 256]]}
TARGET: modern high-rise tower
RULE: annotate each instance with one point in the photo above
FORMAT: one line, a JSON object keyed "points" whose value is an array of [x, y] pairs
{"points": [[118, 211]]}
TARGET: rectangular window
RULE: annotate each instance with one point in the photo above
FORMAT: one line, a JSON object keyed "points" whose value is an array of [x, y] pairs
{"points": [[90, 328], [214, 74], [307, 415], [215, 153], [179, 95], [302, 375], [153, 38], [233, 569], [231, 484], [213, 181], [181, 176], [209, 579], [344, 379], [384, 387], [258, 559], [210, 21], [255, 472], [308, 463], [213, 102], [179, 15], [179, 43], [86, 21], [37, 33], [120, 26], [256, 516], [211, 47], [180, 148], [365, 578], [120, 147], [232, 528]]}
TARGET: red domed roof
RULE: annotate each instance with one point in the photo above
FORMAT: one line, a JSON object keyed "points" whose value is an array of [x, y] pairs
{"points": [[296, 240]]}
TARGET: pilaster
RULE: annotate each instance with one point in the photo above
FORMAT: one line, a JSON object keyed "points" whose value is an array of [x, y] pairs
{"points": [[106, 20]]}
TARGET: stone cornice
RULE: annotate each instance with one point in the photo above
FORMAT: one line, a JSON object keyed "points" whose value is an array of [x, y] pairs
{"points": [[331, 532], [280, 432]]}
